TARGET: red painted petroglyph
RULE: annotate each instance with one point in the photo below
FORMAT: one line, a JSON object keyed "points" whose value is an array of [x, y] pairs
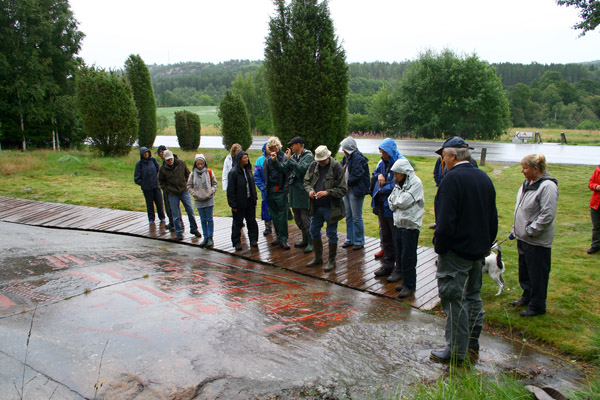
{"points": [[273, 328], [5, 302], [231, 276], [71, 258], [114, 274], [144, 302], [84, 275], [54, 262], [236, 305], [27, 290], [131, 335], [282, 282], [207, 309], [153, 291]]}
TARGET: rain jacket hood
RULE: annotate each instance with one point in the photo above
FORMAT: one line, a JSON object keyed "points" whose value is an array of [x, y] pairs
{"points": [[407, 201], [389, 146], [142, 151]]}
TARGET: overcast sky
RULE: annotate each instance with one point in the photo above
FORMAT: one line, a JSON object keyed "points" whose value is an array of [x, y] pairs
{"points": [[163, 32]]}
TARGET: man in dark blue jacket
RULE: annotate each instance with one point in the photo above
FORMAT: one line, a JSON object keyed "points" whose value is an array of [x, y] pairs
{"points": [[466, 227], [146, 175]]}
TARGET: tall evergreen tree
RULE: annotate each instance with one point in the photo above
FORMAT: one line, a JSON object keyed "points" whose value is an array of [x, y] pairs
{"points": [[38, 44], [235, 124], [138, 76], [187, 128], [307, 75], [108, 111]]}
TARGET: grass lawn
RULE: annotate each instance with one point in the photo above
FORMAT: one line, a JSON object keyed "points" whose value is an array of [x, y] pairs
{"points": [[571, 325], [208, 119], [552, 135]]}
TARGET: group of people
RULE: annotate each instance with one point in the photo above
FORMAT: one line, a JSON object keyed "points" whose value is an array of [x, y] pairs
{"points": [[318, 190]]}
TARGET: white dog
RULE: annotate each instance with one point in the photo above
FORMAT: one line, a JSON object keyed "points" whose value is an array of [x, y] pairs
{"points": [[494, 266]]}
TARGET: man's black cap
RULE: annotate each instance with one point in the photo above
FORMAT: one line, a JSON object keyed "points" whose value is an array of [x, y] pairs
{"points": [[297, 139], [161, 148], [456, 142]]}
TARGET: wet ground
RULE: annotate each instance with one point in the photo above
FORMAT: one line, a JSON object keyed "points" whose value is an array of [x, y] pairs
{"points": [[508, 153], [153, 320]]}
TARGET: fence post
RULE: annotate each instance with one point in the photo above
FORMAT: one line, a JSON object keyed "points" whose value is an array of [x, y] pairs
{"points": [[538, 137], [483, 154], [563, 138]]}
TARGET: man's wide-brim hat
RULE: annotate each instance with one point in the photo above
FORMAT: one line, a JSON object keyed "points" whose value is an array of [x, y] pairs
{"points": [[456, 142], [322, 153]]}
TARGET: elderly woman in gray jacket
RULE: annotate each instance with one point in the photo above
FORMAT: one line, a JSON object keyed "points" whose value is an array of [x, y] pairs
{"points": [[407, 201], [534, 229]]}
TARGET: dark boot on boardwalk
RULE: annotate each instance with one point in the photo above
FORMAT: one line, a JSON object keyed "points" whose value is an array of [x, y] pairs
{"points": [[309, 244], [318, 247], [303, 243], [332, 253]]}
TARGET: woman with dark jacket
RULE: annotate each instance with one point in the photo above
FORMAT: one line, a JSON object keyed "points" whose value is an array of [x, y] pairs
{"points": [[356, 174], [534, 229], [146, 175], [241, 197]]}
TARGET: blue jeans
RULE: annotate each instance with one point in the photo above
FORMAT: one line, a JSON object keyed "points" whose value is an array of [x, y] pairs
{"points": [[355, 227], [186, 200], [206, 220], [316, 223]]}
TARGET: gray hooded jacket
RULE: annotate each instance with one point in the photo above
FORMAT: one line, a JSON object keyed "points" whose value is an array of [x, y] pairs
{"points": [[407, 202], [535, 211]]}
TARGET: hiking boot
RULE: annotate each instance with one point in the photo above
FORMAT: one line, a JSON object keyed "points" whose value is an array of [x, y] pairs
{"points": [[197, 234], [444, 357], [203, 243], [179, 236], [275, 242], [406, 292], [358, 246], [396, 276], [383, 271], [284, 245], [346, 245], [530, 313], [593, 250], [518, 303], [318, 248]]}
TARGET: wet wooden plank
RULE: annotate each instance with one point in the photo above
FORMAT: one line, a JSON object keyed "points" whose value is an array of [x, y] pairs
{"points": [[355, 268]]}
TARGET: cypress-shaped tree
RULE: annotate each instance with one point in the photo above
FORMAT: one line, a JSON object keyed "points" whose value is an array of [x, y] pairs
{"points": [[138, 76], [187, 128], [307, 75], [107, 110], [235, 124]]}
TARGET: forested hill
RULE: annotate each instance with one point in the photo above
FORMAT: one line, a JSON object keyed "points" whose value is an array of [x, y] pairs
{"points": [[194, 83]]}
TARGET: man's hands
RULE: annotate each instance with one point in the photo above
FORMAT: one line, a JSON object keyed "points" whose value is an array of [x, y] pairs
{"points": [[318, 195]]}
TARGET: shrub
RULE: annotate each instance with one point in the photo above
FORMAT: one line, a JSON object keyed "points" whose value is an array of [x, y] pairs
{"points": [[107, 109], [234, 121], [187, 128]]}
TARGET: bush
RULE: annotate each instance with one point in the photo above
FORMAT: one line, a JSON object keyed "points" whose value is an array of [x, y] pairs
{"points": [[588, 125], [187, 128], [108, 111], [359, 123], [234, 121]]}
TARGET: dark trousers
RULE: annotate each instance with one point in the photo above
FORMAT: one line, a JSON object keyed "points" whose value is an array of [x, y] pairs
{"points": [[248, 214], [302, 219], [386, 226], [407, 241], [534, 273], [278, 206], [154, 196], [595, 214]]}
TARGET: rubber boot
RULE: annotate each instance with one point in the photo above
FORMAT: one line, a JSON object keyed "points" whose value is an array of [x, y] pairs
{"points": [[209, 242], [303, 243], [318, 247], [332, 253], [309, 244]]}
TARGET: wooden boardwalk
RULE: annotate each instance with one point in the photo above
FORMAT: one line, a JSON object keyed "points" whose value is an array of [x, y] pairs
{"points": [[354, 267]]}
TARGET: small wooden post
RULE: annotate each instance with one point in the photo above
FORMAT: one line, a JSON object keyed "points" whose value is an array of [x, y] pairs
{"points": [[563, 138], [483, 154]]}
